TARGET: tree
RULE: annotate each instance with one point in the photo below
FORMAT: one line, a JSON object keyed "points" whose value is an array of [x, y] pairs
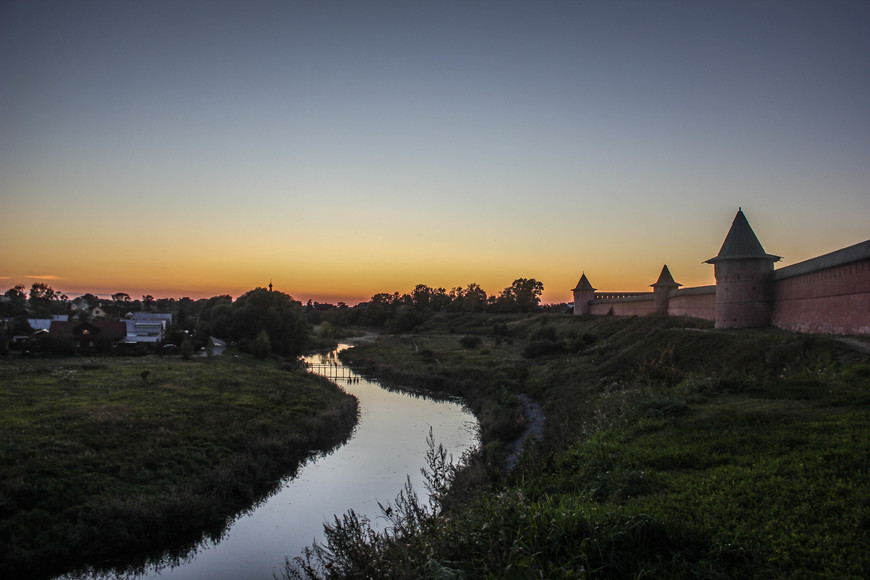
{"points": [[16, 293], [473, 298], [262, 347], [122, 299], [275, 313], [16, 304], [381, 308], [41, 296], [523, 295], [421, 296], [147, 301]]}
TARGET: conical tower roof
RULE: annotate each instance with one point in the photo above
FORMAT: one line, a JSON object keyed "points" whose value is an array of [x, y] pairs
{"points": [[665, 279], [741, 243], [583, 285]]}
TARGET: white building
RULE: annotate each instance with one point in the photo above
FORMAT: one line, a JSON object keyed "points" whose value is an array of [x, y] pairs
{"points": [[146, 327]]}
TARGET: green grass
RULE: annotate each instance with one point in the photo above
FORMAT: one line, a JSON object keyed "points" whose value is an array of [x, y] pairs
{"points": [[105, 460], [671, 451]]}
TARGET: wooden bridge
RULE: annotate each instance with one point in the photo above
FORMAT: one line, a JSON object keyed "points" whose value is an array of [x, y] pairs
{"points": [[331, 370]]}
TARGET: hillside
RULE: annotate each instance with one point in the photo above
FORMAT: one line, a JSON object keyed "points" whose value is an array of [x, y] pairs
{"points": [[670, 450]]}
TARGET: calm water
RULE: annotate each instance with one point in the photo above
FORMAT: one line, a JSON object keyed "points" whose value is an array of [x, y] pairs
{"points": [[388, 445]]}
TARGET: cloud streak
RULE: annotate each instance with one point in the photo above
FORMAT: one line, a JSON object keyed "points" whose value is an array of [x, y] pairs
{"points": [[43, 277]]}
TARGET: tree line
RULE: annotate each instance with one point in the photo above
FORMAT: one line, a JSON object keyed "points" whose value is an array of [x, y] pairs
{"points": [[265, 322], [398, 313]]}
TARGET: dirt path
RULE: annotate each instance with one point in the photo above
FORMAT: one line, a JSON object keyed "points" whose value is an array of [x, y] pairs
{"points": [[856, 344], [534, 428]]}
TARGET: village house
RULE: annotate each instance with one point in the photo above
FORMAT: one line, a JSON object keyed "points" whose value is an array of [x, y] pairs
{"points": [[92, 335], [146, 327]]}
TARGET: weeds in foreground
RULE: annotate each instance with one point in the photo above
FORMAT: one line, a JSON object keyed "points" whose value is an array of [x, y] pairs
{"points": [[354, 548]]}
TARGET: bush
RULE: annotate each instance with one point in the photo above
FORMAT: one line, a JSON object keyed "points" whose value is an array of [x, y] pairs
{"points": [[427, 355], [262, 346], [470, 341], [541, 348], [501, 329], [543, 333]]}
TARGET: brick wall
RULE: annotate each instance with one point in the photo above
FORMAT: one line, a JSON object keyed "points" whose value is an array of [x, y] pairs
{"points": [[823, 296], [635, 306], [697, 302], [829, 294]]}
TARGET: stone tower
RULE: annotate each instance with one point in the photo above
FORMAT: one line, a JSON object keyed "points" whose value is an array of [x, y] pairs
{"points": [[584, 293], [661, 289], [743, 278]]}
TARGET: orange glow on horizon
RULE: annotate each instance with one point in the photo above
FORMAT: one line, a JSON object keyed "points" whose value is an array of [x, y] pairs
{"points": [[351, 268]]}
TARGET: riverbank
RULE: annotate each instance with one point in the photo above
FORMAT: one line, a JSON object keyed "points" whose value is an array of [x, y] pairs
{"points": [[109, 461], [668, 452]]}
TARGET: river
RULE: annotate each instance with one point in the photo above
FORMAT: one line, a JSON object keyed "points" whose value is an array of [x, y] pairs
{"points": [[388, 445]]}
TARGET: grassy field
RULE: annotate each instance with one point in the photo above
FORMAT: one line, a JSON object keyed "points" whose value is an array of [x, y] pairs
{"points": [[671, 450], [108, 460]]}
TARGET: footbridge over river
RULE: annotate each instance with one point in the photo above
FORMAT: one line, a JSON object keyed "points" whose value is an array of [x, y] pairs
{"points": [[332, 370]]}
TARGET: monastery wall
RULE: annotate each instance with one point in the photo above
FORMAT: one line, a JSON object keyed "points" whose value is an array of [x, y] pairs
{"points": [[829, 294], [641, 305], [697, 302]]}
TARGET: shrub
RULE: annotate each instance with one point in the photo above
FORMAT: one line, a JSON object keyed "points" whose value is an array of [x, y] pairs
{"points": [[470, 341], [427, 355], [543, 333], [541, 348], [262, 346], [501, 329]]}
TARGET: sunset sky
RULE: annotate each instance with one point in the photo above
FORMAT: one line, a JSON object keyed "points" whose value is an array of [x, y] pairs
{"points": [[340, 149]]}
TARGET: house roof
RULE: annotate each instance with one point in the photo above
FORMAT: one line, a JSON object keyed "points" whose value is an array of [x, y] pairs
{"points": [[741, 243], [583, 285], [114, 329], [665, 279]]}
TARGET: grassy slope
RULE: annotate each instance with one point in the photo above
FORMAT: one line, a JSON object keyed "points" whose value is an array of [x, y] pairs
{"points": [[99, 464], [672, 450]]}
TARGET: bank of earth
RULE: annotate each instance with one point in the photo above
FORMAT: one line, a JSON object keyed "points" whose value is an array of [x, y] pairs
{"points": [[671, 449], [109, 461]]}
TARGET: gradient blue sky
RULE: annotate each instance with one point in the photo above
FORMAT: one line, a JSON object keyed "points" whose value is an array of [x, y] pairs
{"points": [[346, 148]]}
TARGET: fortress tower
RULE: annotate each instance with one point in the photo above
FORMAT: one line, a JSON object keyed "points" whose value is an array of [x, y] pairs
{"points": [[661, 289], [743, 278], [584, 293]]}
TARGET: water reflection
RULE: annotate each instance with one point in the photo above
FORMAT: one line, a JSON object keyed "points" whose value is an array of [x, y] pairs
{"points": [[387, 447]]}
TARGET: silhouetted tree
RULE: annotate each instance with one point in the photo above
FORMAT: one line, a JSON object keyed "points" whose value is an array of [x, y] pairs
{"points": [[276, 313], [41, 297], [523, 295], [16, 304]]}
